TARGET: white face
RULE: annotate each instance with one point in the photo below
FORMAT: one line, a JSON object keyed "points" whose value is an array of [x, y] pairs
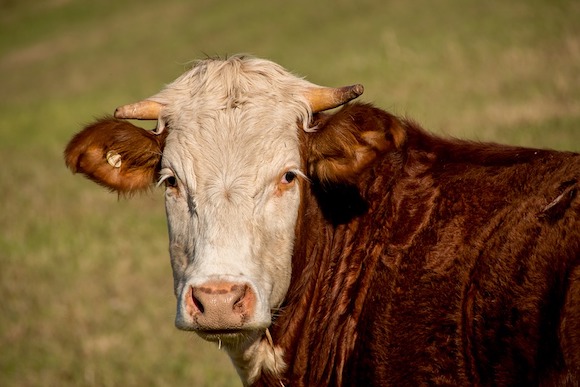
{"points": [[230, 166]]}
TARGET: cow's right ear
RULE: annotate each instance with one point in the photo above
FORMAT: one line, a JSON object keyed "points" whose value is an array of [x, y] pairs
{"points": [[116, 154]]}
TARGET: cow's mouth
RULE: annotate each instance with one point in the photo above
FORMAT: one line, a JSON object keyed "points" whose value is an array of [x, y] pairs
{"points": [[229, 337]]}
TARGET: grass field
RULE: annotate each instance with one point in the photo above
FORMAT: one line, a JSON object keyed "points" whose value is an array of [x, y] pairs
{"points": [[86, 294]]}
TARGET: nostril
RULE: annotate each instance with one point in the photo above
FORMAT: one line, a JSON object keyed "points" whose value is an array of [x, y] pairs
{"points": [[197, 303], [241, 291], [194, 304]]}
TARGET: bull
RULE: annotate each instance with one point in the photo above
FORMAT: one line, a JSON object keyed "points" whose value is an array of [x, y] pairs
{"points": [[350, 247]]}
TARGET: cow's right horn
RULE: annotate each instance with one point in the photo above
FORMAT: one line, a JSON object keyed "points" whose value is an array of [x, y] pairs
{"points": [[324, 98], [144, 110]]}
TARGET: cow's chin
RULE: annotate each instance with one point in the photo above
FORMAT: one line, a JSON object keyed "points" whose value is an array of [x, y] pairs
{"points": [[228, 337], [232, 338]]}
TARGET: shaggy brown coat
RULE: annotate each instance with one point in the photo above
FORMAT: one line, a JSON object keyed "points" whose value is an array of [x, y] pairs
{"points": [[427, 261]]}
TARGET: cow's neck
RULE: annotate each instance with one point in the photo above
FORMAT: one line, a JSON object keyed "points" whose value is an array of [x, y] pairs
{"points": [[331, 276], [259, 356]]}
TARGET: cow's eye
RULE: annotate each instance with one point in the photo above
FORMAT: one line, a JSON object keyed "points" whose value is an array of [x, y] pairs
{"points": [[288, 177], [167, 178], [170, 182]]}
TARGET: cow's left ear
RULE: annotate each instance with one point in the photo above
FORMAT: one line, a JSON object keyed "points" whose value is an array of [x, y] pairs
{"points": [[347, 142], [116, 154]]}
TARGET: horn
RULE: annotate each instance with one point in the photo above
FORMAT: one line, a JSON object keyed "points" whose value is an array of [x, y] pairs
{"points": [[324, 98], [144, 110]]}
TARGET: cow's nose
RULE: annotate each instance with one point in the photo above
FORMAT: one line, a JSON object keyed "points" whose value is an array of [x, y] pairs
{"points": [[220, 305]]}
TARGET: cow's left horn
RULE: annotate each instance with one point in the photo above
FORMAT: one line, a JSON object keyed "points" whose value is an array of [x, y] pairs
{"points": [[144, 110], [324, 98]]}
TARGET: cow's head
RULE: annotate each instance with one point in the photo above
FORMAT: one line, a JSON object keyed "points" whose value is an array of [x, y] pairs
{"points": [[228, 150]]}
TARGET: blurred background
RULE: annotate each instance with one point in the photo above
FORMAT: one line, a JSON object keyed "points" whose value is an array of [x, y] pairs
{"points": [[86, 291]]}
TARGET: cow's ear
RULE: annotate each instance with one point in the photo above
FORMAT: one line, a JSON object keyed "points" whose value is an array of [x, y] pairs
{"points": [[116, 154], [347, 142]]}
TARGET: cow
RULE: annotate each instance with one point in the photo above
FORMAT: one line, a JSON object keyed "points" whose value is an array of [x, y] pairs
{"points": [[349, 246]]}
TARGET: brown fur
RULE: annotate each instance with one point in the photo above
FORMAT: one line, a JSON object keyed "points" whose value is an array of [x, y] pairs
{"points": [[432, 261], [140, 152]]}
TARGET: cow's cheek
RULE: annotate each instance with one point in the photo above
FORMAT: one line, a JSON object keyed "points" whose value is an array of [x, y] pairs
{"points": [[181, 228], [278, 257]]}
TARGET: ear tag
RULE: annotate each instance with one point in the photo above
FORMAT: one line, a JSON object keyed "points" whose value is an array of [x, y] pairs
{"points": [[114, 159]]}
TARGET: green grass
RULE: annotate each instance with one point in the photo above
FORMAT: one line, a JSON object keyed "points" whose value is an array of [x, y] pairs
{"points": [[85, 280]]}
